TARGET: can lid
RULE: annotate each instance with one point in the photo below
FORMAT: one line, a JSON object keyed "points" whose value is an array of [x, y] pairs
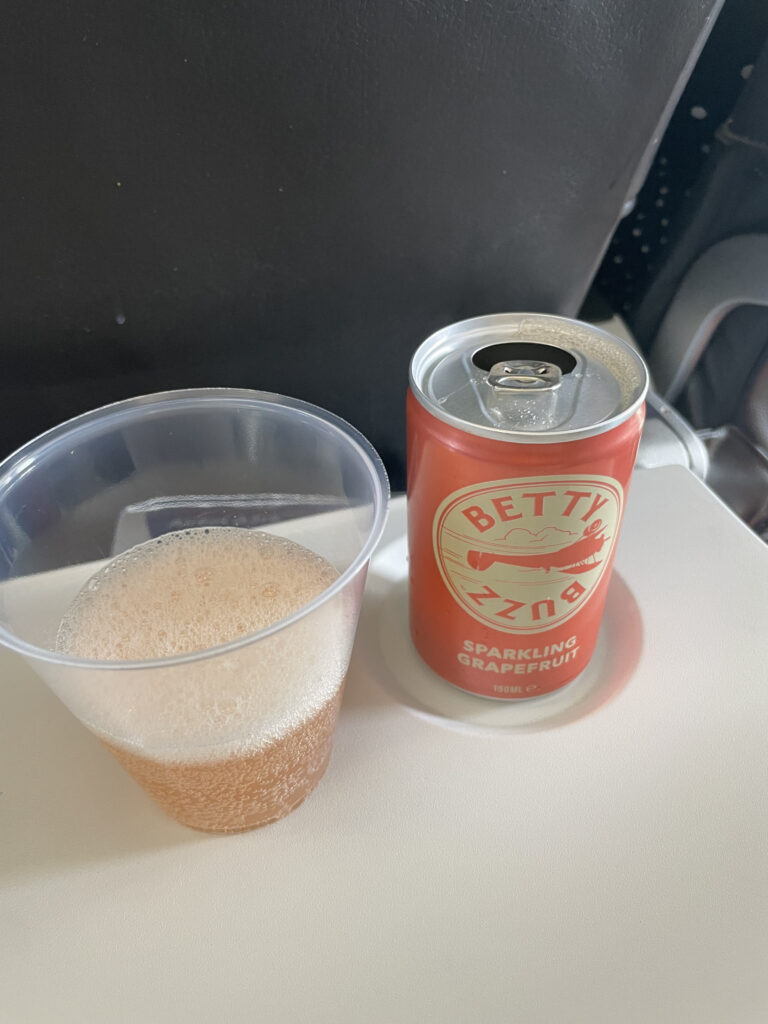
{"points": [[528, 377]]}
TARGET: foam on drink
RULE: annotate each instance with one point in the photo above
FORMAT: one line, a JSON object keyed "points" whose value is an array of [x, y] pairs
{"points": [[226, 741], [188, 591]]}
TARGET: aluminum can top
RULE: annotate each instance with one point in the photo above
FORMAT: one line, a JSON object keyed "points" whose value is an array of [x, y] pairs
{"points": [[528, 377]]}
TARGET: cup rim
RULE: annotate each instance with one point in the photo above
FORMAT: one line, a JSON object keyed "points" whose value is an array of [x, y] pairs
{"points": [[20, 461]]}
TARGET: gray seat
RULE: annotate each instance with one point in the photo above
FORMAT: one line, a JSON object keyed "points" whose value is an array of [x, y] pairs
{"points": [[731, 274]]}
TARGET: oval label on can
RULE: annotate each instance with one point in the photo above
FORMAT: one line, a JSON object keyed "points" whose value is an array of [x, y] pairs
{"points": [[524, 555]]}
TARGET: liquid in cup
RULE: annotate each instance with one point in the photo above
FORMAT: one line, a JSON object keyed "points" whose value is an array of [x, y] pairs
{"points": [[197, 589]]}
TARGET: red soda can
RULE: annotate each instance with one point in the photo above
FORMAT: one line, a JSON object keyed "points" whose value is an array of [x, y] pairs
{"points": [[522, 436]]}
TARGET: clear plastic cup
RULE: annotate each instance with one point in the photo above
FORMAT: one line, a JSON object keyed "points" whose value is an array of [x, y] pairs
{"points": [[236, 735]]}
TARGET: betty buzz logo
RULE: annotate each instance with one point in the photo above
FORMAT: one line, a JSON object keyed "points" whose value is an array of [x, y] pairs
{"points": [[523, 555]]}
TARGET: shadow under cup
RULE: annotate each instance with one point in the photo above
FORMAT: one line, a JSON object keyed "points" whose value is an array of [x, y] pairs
{"points": [[235, 736]]}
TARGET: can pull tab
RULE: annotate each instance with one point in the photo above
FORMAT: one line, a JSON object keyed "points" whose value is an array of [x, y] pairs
{"points": [[525, 375]]}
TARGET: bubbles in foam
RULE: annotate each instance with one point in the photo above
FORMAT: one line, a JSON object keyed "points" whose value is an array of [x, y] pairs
{"points": [[190, 591]]}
